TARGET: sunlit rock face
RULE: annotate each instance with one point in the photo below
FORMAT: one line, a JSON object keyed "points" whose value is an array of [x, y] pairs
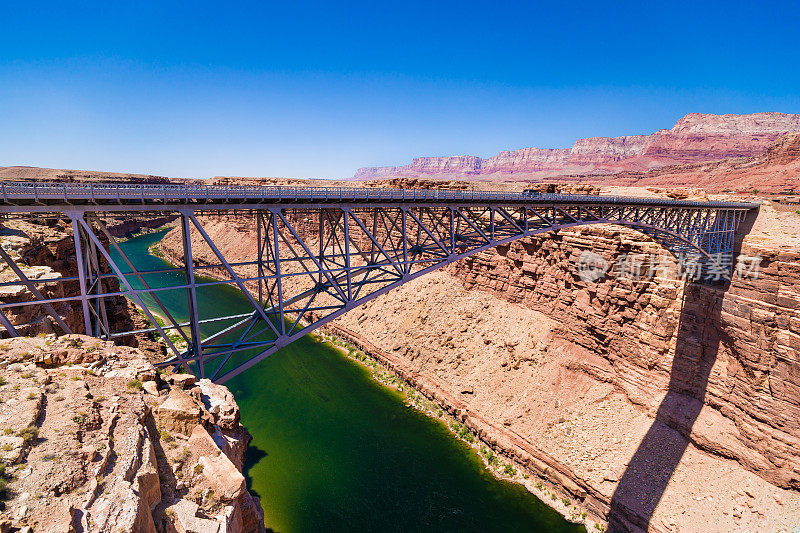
{"points": [[696, 137]]}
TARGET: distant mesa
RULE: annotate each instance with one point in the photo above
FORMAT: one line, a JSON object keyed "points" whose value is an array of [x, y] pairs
{"points": [[695, 138], [25, 173]]}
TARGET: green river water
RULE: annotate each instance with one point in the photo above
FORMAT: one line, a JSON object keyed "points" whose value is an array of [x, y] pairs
{"points": [[333, 450]]}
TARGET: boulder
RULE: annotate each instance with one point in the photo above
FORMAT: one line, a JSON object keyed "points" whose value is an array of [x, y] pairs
{"points": [[185, 519], [219, 401], [223, 476], [150, 387], [179, 412], [183, 381], [147, 483], [201, 443], [12, 448]]}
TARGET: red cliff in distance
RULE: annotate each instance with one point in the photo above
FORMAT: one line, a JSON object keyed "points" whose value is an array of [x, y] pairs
{"points": [[776, 170], [695, 138]]}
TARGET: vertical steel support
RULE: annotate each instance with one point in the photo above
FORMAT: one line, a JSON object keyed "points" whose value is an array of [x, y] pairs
{"points": [[76, 235], [94, 276], [452, 230], [373, 256], [347, 254], [406, 266], [277, 259], [260, 260], [321, 243], [191, 292]]}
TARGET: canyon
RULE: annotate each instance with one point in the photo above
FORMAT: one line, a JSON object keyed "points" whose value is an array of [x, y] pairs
{"points": [[694, 138], [619, 394], [624, 394], [655, 404]]}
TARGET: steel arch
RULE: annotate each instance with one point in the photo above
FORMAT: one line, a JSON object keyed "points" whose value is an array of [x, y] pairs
{"points": [[320, 253]]}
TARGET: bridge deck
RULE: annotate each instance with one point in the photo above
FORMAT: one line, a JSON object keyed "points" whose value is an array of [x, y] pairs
{"points": [[313, 254], [29, 196]]}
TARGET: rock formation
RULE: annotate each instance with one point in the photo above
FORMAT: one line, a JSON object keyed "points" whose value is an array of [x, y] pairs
{"points": [[694, 138], [24, 173], [623, 393], [776, 170], [96, 440]]}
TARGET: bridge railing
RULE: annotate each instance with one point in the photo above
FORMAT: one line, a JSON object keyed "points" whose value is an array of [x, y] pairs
{"points": [[129, 192]]}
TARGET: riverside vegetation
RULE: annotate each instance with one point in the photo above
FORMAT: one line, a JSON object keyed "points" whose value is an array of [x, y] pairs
{"points": [[499, 466]]}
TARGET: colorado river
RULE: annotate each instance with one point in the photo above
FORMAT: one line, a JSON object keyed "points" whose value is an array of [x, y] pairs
{"points": [[333, 450]]}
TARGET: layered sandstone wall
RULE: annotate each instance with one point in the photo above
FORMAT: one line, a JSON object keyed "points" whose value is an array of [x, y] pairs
{"points": [[735, 351], [775, 170], [630, 395], [696, 137]]}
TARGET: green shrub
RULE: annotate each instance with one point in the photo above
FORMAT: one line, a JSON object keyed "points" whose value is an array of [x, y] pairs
{"points": [[29, 433], [2, 381], [5, 493], [463, 432], [165, 436], [510, 470], [135, 384]]}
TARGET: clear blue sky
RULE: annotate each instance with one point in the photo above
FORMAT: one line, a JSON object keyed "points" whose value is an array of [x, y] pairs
{"points": [[318, 89]]}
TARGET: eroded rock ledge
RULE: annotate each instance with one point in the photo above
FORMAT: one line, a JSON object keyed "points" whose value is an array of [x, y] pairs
{"points": [[95, 439]]}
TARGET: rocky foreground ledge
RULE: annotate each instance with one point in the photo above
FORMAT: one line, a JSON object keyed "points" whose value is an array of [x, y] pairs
{"points": [[93, 438]]}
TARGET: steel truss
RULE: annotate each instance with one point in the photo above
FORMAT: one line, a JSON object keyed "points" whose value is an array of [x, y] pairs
{"points": [[311, 263]]}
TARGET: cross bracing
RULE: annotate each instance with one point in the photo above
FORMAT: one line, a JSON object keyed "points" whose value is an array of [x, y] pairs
{"points": [[311, 254]]}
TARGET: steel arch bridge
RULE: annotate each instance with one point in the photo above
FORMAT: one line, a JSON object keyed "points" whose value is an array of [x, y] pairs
{"points": [[313, 253]]}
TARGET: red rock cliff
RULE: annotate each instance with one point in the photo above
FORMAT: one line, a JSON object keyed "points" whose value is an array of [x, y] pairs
{"points": [[695, 137]]}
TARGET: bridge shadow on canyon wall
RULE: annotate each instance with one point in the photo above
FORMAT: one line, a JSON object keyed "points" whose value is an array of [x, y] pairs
{"points": [[699, 338]]}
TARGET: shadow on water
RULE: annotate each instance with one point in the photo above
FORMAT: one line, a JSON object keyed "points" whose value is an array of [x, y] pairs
{"points": [[699, 337], [254, 455]]}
